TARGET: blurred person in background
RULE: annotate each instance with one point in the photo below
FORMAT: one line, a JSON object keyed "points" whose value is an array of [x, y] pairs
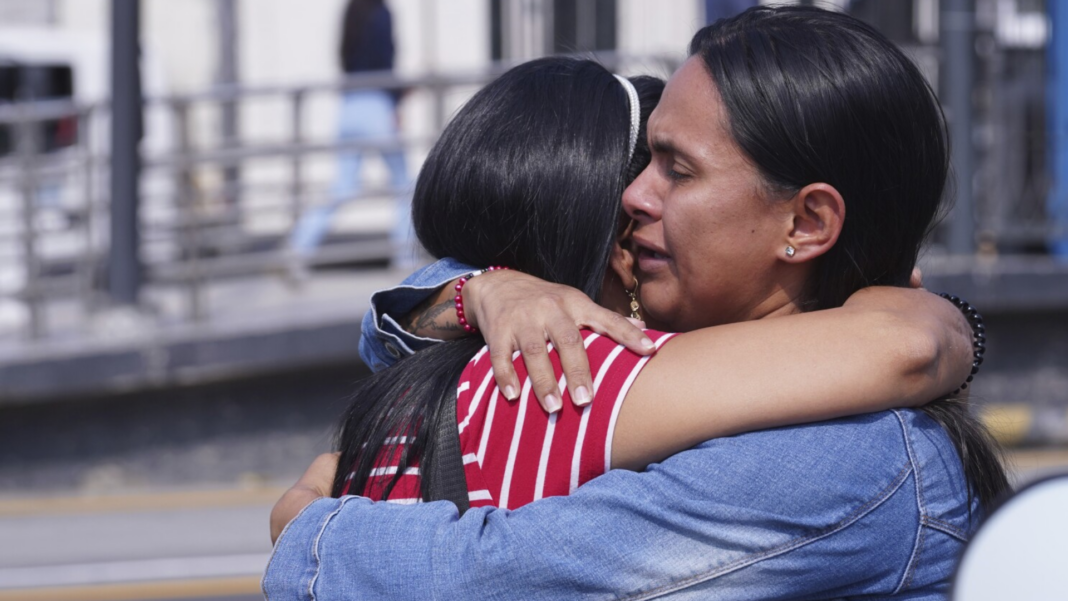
{"points": [[721, 9], [365, 114]]}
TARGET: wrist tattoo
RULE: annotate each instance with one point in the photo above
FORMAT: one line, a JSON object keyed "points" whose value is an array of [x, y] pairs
{"points": [[428, 319]]}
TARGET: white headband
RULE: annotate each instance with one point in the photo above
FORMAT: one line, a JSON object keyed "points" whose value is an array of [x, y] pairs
{"points": [[635, 113]]}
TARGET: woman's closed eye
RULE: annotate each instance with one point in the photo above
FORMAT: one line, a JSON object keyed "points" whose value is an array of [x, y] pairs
{"points": [[676, 175], [672, 168]]}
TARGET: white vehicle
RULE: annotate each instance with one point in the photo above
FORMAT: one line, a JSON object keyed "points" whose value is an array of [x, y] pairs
{"points": [[69, 199]]}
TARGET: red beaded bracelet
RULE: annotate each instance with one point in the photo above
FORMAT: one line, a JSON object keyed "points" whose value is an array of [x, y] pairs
{"points": [[459, 299]]}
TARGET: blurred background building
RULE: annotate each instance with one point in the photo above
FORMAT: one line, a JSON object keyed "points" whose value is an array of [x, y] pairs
{"points": [[159, 350]]}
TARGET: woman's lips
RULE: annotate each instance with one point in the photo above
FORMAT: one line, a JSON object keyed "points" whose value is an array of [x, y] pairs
{"points": [[650, 260]]}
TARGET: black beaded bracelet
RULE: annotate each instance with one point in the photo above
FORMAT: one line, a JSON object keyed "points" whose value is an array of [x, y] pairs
{"points": [[975, 320]]}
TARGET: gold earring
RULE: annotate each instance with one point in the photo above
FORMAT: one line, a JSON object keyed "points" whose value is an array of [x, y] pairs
{"points": [[635, 306]]}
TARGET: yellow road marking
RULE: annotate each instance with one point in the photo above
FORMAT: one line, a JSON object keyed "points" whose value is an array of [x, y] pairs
{"points": [[1032, 459], [1009, 424], [163, 589], [139, 502]]}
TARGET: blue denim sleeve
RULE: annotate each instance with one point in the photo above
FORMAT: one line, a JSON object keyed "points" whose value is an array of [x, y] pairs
{"points": [[819, 511], [382, 340]]}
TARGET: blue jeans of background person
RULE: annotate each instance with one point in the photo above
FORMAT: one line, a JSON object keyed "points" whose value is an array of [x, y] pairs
{"points": [[365, 115]]}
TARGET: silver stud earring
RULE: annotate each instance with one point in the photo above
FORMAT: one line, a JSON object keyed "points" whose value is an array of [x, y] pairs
{"points": [[790, 251]]}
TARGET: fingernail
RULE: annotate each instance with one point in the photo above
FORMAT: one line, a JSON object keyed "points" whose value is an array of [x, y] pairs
{"points": [[647, 343], [509, 393], [582, 396], [553, 403]]}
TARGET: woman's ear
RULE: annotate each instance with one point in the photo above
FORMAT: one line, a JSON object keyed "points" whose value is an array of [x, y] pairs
{"points": [[818, 214], [621, 263], [618, 278]]}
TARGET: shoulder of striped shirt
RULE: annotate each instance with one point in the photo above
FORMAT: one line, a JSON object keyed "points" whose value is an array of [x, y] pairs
{"points": [[589, 337], [658, 343], [603, 369]]}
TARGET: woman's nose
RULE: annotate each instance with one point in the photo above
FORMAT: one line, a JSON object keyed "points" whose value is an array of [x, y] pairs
{"points": [[640, 200]]}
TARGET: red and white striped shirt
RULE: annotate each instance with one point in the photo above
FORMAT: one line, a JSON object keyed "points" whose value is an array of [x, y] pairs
{"points": [[513, 451]]}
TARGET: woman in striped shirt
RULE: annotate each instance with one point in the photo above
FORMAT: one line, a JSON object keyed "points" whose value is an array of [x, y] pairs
{"points": [[529, 174]]}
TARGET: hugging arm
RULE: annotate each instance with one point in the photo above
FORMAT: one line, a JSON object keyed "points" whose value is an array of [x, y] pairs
{"points": [[886, 348], [760, 516], [421, 311]]}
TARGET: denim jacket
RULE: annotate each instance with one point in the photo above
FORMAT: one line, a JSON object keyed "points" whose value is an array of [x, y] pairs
{"points": [[873, 505]]}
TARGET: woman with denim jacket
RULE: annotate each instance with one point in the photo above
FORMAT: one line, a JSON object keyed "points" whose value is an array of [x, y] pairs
{"points": [[492, 195], [675, 235]]}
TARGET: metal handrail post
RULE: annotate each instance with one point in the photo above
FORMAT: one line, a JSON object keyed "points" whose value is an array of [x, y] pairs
{"points": [[124, 273], [27, 149], [958, 38], [189, 224], [297, 164], [440, 115], [88, 259], [228, 38]]}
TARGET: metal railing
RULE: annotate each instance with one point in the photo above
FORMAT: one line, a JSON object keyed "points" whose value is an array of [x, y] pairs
{"points": [[28, 180], [195, 226], [198, 227]]}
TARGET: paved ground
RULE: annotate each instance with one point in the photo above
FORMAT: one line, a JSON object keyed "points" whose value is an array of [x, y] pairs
{"points": [[135, 546], [159, 494]]}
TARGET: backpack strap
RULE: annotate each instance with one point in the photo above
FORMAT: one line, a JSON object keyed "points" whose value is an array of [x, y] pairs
{"points": [[447, 480]]}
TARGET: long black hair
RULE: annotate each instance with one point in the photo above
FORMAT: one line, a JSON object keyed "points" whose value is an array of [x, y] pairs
{"points": [[819, 96], [530, 174]]}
